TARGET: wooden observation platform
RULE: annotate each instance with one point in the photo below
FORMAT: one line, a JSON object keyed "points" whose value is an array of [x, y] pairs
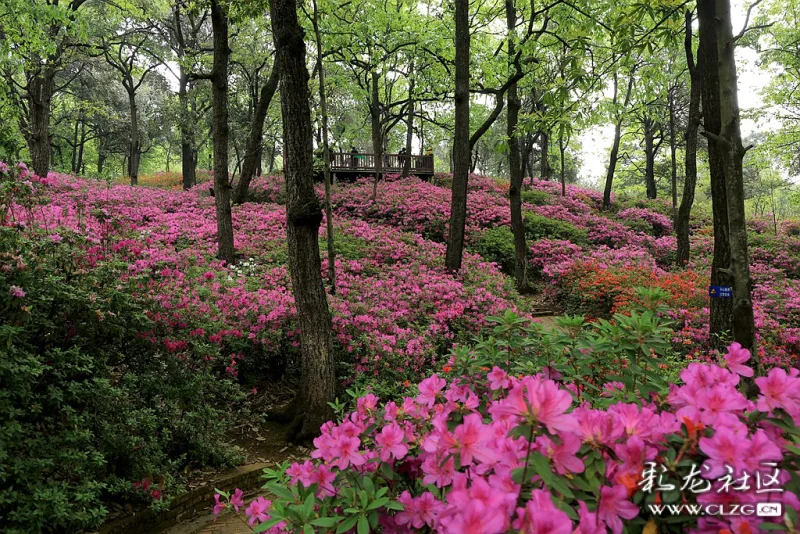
{"points": [[347, 166]]}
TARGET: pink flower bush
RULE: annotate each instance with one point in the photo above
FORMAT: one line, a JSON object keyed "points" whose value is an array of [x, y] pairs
{"points": [[531, 460]]}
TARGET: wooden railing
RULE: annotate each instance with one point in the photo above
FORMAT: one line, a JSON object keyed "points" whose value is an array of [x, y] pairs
{"points": [[351, 162]]}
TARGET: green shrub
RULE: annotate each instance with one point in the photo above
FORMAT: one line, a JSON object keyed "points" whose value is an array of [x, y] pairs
{"points": [[541, 227], [537, 197], [497, 245], [88, 402]]}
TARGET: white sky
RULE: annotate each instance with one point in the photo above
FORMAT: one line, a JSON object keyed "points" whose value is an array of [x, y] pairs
{"points": [[596, 142]]}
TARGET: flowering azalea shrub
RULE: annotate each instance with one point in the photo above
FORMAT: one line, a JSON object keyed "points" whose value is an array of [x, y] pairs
{"points": [[88, 406], [480, 449]]}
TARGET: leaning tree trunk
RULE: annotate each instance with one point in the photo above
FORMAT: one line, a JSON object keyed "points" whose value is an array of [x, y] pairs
{"points": [[721, 319], [40, 95], [326, 153], [690, 158], [134, 150], [303, 218], [252, 156], [730, 144], [614, 156], [219, 102], [461, 149], [515, 167]]}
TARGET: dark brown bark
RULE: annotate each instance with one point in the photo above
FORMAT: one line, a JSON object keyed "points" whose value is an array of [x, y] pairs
{"points": [[188, 159], [81, 144], [41, 88], [515, 168], [561, 149], [252, 157], [721, 319], [733, 152], [219, 117], [673, 156], [544, 159], [461, 141], [690, 158], [649, 128], [326, 151], [134, 148], [303, 218], [377, 132], [614, 156], [409, 121]]}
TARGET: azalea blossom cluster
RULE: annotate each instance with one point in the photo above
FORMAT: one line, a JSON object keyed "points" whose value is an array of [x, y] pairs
{"points": [[394, 300], [492, 452]]}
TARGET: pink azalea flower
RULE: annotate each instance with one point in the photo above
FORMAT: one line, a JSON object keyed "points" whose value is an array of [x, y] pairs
{"points": [[257, 511], [498, 379], [562, 455], [418, 511], [541, 401], [218, 507], [540, 516], [237, 499], [470, 439], [17, 292], [779, 389], [725, 447], [345, 449], [588, 521], [735, 359], [390, 441], [429, 388], [614, 507]]}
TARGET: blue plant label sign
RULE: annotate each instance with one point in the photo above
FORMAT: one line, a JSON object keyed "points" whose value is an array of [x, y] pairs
{"points": [[720, 292]]}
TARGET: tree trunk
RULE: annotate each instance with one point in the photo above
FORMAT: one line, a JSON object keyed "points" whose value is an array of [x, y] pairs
{"points": [[614, 156], [561, 150], [673, 158], [515, 167], [650, 158], [81, 145], [326, 153], [74, 160], [101, 159], [544, 160], [188, 161], [219, 102], [252, 156], [409, 122], [690, 161], [377, 137], [730, 144], [134, 150], [303, 218], [271, 159], [461, 149], [721, 319], [40, 95]]}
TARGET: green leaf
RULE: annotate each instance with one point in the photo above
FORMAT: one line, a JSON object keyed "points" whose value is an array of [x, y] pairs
{"points": [[326, 521], [347, 524], [363, 525]]}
